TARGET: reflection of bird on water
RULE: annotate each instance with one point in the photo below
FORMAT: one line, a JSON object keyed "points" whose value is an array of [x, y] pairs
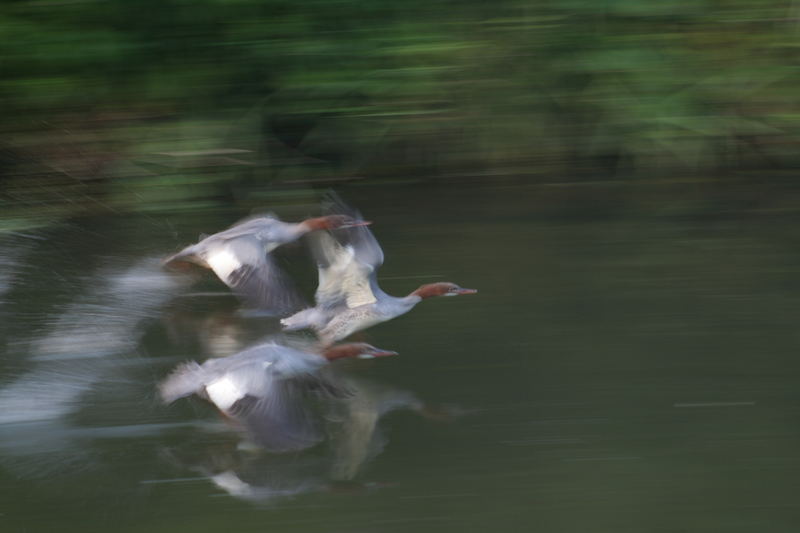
{"points": [[274, 487], [240, 257], [261, 479], [353, 422], [264, 388], [57, 447], [212, 326], [355, 438], [348, 298]]}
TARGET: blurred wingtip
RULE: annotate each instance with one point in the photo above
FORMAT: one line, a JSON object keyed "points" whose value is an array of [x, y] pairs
{"points": [[183, 381]]}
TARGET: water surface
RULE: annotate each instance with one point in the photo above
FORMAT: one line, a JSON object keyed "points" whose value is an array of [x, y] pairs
{"points": [[629, 364]]}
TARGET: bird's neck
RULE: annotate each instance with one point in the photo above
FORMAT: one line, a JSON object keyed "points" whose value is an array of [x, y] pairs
{"points": [[299, 229], [411, 300], [396, 305], [341, 351]]}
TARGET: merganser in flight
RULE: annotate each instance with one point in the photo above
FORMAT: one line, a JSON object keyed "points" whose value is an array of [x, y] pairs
{"points": [[240, 257], [264, 389], [348, 298]]}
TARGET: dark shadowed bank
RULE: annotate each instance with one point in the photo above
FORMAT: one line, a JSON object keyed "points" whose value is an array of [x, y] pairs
{"points": [[168, 104]]}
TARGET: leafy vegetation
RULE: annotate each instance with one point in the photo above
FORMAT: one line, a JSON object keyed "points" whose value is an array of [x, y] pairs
{"points": [[159, 103]]}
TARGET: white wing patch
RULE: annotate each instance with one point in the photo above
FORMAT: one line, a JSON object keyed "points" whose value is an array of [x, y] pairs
{"points": [[223, 262], [330, 279], [271, 246], [359, 292], [345, 276], [223, 392]]}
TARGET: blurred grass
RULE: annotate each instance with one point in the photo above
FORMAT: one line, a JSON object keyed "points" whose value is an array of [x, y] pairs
{"points": [[96, 93]]}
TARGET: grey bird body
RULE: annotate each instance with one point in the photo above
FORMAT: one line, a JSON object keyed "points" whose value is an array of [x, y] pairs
{"points": [[348, 298], [263, 388], [266, 388], [241, 258]]}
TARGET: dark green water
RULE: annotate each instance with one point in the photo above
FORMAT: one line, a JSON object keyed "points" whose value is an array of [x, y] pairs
{"points": [[629, 364]]}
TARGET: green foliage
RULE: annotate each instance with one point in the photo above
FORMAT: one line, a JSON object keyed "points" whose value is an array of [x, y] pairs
{"points": [[348, 88]]}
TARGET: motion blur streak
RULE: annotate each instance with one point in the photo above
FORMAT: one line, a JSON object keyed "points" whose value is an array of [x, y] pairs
{"points": [[618, 179], [104, 324]]}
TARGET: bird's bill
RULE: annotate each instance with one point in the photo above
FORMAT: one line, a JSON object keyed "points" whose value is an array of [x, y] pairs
{"points": [[466, 291]]}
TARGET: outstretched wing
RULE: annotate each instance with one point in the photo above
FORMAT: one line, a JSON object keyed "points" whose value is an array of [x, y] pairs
{"points": [[267, 228], [275, 381], [186, 379], [244, 265], [239, 256], [348, 260], [280, 421]]}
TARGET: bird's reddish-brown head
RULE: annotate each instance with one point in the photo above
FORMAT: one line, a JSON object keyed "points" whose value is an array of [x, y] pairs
{"points": [[443, 288], [359, 350], [333, 222]]}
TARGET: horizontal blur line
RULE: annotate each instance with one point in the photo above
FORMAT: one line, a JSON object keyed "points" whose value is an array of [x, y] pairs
{"points": [[26, 235], [314, 180], [623, 182], [171, 480], [622, 458], [410, 519], [433, 496], [414, 277], [204, 152], [713, 404], [193, 294], [533, 442]]}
